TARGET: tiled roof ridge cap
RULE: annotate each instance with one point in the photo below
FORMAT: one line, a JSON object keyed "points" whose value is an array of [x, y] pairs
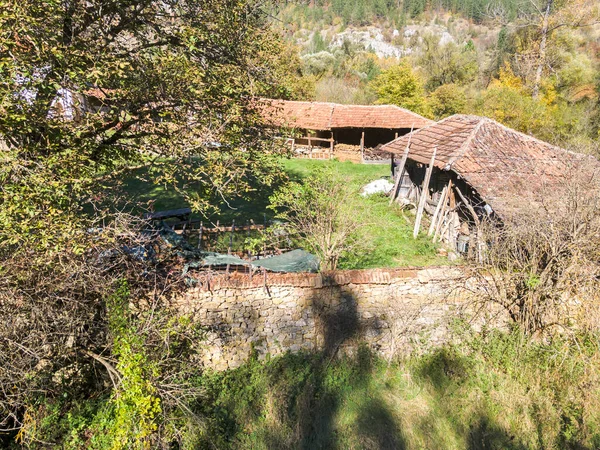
{"points": [[334, 105], [419, 130], [465, 146]]}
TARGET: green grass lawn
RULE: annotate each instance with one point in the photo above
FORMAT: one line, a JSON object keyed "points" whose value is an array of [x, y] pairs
{"points": [[388, 230]]}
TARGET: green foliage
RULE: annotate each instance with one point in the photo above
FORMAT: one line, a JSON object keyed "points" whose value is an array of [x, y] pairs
{"points": [[447, 100], [448, 63], [386, 233], [82, 99], [399, 85], [495, 390], [317, 43], [137, 406], [322, 213]]}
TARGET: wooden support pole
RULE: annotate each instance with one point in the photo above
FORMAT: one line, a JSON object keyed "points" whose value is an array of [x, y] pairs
{"points": [[400, 171], [477, 225], [293, 145], [331, 144], [443, 215], [468, 204], [424, 192], [441, 202], [200, 236], [444, 210], [362, 147]]}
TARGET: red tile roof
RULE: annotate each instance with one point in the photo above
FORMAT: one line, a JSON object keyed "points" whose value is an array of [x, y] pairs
{"points": [[326, 116], [501, 164]]}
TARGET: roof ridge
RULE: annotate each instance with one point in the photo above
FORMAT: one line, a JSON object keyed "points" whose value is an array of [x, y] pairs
{"points": [[333, 105], [406, 136], [465, 145], [534, 139]]}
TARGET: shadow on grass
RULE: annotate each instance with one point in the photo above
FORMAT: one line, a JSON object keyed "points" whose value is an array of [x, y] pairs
{"points": [[137, 192], [335, 398], [446, 370]]}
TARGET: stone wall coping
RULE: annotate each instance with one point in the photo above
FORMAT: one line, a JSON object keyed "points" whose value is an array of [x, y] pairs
{"points": [[332, 278]]}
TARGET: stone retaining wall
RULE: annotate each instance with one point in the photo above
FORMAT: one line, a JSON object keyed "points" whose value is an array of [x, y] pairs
{"points": [[395, 310]]}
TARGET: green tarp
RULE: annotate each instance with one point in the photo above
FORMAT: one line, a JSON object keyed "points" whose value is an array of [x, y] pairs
{"points": [[293, 261]]}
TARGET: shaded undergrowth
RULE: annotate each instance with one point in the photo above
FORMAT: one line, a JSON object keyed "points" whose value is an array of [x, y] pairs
{"points": [[498, 391], [493, 391]]}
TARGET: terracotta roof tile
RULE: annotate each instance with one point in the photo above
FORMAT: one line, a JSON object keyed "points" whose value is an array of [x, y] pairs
{"points": [[326, 116], [500, 163]]}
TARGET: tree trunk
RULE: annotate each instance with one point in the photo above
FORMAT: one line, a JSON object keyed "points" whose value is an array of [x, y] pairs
{"points": [[542, 54]]}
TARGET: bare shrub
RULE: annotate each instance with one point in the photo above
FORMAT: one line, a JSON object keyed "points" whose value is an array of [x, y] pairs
{"points": [[542, 264], [75, 326]]}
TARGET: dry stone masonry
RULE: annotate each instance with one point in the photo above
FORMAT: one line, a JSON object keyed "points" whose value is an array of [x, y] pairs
{"points": [[392, 311]]}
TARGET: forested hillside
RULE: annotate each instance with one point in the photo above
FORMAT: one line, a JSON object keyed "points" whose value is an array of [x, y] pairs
{"points": [[532, 65]]}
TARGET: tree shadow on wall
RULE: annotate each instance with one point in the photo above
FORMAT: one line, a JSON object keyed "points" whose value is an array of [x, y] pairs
{"points": [[372, 423]]}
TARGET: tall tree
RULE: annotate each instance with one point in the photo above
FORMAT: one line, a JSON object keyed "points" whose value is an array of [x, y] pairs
{"points": [[88, 90], [550, 15]]}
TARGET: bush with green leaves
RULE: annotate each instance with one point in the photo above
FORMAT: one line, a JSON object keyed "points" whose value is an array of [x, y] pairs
{"points": [[400, 85], [321, 212]]}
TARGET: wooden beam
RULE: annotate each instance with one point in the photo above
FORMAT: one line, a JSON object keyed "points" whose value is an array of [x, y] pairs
{"points": [[394, 192], [443, 215], [437, 211], [479, 243], [468, 204], [331, 143], [362, 147], [424, 193], [447, 206]]}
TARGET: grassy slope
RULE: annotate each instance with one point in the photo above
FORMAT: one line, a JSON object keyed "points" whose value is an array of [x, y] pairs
{"points": [[498, 392], [389, 230]]}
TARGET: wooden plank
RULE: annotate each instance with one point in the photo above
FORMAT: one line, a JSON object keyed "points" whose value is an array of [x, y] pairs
{"points": [[424, 193], [447, 203], [444, 214], [400, 170], [437, 211], [479, 243], [362, 147], [331, 143], [468, 204]]}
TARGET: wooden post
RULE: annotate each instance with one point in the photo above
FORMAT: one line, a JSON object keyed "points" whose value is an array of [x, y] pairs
{"points": [[437, 211], [231, 237], [293, 145], [331, 143], [264, 242], [362, 147], [424, 192], [400, 170], [309, 147], [443, 215], [248, 237], [443, 211], [477, 225], [396, 135]]}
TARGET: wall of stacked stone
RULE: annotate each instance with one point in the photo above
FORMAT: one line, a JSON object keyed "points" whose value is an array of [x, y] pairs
{"points": [[392, 311]]}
